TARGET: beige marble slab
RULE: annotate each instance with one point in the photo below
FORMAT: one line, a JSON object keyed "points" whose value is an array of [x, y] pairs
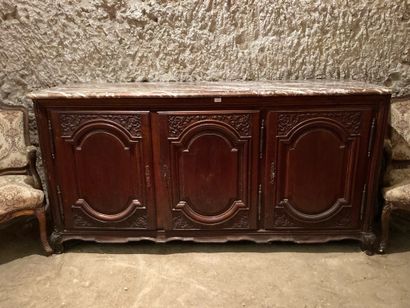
{"points": [[206, 89]]}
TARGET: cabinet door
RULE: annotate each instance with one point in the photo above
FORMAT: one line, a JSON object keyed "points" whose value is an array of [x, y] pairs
{"points": [[208, 169], [103, 162], [316, 167]]}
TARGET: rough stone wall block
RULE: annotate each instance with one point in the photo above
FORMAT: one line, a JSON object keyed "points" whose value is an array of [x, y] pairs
{"points": [[51, 42]]}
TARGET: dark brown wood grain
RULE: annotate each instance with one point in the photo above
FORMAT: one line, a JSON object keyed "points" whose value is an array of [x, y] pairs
{"points": [[247, 168], [317, 161], [209, 169], [103, 162]]}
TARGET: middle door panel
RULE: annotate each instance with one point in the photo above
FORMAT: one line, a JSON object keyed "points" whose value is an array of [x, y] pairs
{"points": [[206, 166]]}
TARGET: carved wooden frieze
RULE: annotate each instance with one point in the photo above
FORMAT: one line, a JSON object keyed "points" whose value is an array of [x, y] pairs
{"points": [[80, 221], [137, 221], [70, 122], [345, 219], [240, 122], [283, 220], [181, 222], [342, 219], [240, 221], [350, 120], [191, 213]]}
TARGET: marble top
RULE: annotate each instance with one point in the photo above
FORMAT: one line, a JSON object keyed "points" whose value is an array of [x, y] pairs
{"points": [[206, 89]]}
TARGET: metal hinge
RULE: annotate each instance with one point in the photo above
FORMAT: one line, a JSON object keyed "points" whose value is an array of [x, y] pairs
{"points": [[148, 176], [60, 201], [364, 195], [259, 201], [370, 145], [272, 172], [50, 129], [165, 174], [261, 141]]}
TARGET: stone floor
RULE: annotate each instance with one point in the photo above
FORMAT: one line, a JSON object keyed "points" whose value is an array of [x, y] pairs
{"points": [[201, 275]]}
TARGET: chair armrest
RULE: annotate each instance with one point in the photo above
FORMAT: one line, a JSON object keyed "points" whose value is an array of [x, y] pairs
{"points": [[387, 147], [386, 162], [387, 151], [32, 159]]}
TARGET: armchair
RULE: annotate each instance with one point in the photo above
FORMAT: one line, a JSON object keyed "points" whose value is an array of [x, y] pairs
{"points": [[20, 187], [396, 192]]}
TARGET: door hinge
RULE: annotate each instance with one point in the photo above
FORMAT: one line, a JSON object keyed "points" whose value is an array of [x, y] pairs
{"points": [[272, 172], [148, 176], [371, 137], [259, 201], [165, 174], [52, 145], [364, 196], [261, 138], [60, 201]]}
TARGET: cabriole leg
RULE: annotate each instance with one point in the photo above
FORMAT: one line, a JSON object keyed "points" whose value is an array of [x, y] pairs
{"points": [[40, 214], [385, 227], [57, 242], [368, 243]]}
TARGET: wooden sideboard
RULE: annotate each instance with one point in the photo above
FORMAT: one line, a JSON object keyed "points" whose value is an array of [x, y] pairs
{"points": [[213, 162]]}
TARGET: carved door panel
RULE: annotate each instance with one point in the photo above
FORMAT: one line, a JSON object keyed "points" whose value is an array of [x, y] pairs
{"points": [[208, 169], [315, 168], [104, 167]]}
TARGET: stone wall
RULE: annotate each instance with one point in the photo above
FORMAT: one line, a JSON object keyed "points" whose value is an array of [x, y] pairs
{"points": [[45, 43]]}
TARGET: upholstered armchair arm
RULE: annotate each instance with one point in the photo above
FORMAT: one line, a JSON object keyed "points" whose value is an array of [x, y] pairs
{"points": [[386, 163], [387, 147], [32, 159]]}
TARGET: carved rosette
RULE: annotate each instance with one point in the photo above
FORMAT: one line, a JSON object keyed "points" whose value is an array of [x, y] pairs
{"points": [[240, 221], [240, 122], [350, 120], [139, 222], [181, 222], [283, 220], [70, 122], [81, 222]]}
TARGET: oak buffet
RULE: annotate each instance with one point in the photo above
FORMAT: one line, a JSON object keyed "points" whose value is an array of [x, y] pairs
{"points": [[213, 162]]}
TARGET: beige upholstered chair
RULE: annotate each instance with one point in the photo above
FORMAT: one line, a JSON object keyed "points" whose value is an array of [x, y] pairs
{"points": [[20, 186], [396, 192]]}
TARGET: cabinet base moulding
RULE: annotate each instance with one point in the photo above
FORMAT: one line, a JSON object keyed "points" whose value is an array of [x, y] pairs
{"points": [[367, 239]]}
